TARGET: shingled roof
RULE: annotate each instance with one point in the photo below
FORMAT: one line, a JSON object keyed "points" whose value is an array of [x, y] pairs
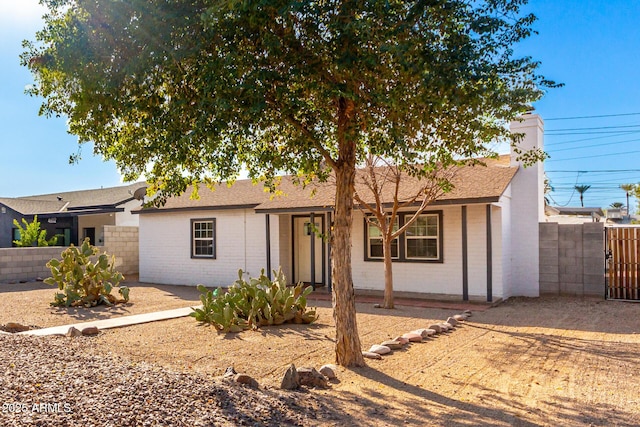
{"points": [[82, 200], [472, 184]]}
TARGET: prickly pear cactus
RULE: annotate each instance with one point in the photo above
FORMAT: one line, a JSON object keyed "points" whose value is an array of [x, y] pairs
{"points": [[258, 302], [84, 282]]}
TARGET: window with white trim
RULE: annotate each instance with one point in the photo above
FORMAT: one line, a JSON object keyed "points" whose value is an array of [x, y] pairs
{"points": [[375, 241], [421, 241], [421, 238], [203, 238]]}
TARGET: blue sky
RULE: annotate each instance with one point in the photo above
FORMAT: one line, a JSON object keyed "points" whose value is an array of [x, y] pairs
{"points": [[589, 45]]}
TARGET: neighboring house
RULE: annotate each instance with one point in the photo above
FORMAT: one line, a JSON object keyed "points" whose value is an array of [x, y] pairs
{"points": [[479, 241], [72, 215], [573, 215]]}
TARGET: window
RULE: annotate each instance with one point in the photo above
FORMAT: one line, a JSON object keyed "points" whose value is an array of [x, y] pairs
{"points": [[375, 241], [203, 238], [421, 238], [421, 241], [63, 236]]}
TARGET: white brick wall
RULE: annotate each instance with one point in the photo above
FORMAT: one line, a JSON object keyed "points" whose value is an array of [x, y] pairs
{"points": [[165, 247]]}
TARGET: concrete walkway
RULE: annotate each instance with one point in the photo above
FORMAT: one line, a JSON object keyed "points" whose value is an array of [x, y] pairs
{"points": [[115, 322]]}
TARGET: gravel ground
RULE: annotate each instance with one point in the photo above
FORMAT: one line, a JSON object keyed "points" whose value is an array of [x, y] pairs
{"points": [[528, 362], [57, 381]]}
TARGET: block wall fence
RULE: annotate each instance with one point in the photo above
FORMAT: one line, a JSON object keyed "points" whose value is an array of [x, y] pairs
{"points": [[26, 264], [572, 259]]}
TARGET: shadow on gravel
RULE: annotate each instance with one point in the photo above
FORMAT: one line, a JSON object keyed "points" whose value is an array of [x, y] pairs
{"points": [[420, 407], [589, 314]]}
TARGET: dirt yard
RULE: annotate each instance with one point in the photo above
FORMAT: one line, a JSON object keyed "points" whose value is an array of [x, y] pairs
{"points": [[526, 362]]}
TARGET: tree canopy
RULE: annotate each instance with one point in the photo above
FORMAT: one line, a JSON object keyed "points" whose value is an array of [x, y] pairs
{"points": [[190, 91]]}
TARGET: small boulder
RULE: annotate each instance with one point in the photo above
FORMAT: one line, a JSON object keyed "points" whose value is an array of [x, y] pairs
{"points": [[467, 312], [14, 327], [311, 378], [402, 340], [392, 344], [91, 330], [329, 371], [436, 328], [452, 321], [291, 380], [230, 372], [459, 317], [380, 349], [425, 332], [445, 326], [413, 337], [74, 332], [246, 380], [370, 355]]}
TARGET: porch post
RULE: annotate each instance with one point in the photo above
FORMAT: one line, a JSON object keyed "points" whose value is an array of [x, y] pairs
{"points": [[268, 236], [465, 259], [312, 237], [489, 257]]}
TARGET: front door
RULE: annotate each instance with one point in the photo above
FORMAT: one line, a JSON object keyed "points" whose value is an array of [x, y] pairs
{"points": [[307, 249]]}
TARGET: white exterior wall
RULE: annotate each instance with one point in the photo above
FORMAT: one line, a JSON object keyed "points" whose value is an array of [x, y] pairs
{"points": [[437, 278], [506, 240], [126, 218], [527, 211], [165, 247]]}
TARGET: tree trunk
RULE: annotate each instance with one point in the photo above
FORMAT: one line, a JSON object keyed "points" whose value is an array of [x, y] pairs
{"points": [[388, 272], [348, 348]]}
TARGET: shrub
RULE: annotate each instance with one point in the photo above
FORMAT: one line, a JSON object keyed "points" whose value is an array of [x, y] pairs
{"points": [[84, 282], [32, 235], [258, 302]]}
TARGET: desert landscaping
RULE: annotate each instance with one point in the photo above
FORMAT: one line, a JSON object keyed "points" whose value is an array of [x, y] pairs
{"points": [[542, 361]]}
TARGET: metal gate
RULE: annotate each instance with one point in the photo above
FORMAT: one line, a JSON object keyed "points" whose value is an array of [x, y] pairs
{"points": [[622, 261]]}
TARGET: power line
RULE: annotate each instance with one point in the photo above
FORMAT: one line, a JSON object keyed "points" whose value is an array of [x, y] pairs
{"points": [[582, 139], [595, 170], [594, 145], [593, 128], [597, 155], [591, 117]]}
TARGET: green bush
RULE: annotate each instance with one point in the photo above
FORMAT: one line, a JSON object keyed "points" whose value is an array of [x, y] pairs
{"points": [[84, 282], [31, 234], [258, 302]]}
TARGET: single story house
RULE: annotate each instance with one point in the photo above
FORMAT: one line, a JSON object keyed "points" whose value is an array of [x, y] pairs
{"points": [[72, 215], [479, 241]]}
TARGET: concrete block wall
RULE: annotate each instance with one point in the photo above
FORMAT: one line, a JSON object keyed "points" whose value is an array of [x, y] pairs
{"points": [[572, 258], [122, 241], [18, 264], [21, 264]]}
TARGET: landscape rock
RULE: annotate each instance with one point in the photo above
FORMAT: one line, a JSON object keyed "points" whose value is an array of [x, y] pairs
{"points": [[392, 344], [74, 332], [246, 380], [467, 312], [413, 337], [452, 321], [459, 317], [370, 355], [311, 378], [291, 379], [380, 349], [445, 326], [402, 340], [230, 372], [91, 330], [329, 371], [14, 327], [424, 332], [436, 328]]}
